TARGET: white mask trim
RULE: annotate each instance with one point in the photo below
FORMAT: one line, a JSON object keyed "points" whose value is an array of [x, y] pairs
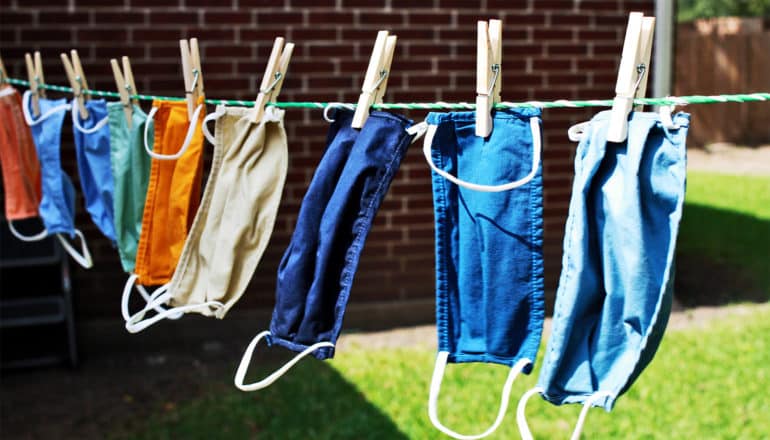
{"points": [[187, 139], [435, 389], [534, 123], [240, 373]]}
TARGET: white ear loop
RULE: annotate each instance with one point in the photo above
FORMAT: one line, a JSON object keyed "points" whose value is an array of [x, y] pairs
{"points": [[534, 123], [332, 105], [212, 117], [575, 133], [131, 282], [240, 373], [435, 389], [78, 127], [27, 238], [187, 139], [83, 257], [28, 117], [521, 417], [417, 130]]}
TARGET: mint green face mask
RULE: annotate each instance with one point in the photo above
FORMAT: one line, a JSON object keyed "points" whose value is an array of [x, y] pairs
{"points": [[131, 172]]}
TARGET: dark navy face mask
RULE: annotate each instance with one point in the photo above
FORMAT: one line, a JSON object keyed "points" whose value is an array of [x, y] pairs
{"points": [[615, 291], [57, 206], [316, 272], [92, 144], [488, 201]]}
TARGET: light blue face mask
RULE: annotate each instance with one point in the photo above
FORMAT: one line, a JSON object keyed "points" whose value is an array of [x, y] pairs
{"points": [[57, 206], [488, 201], [615, 291], [92, 144]]}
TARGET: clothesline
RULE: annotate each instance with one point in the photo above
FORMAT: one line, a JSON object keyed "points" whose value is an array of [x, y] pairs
{"points": [[559, 103]]}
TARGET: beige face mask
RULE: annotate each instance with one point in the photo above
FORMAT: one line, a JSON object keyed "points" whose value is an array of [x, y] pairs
{"points": [[235, 219]]}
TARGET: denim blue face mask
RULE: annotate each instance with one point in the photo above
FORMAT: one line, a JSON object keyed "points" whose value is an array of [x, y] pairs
{"points": [[615, 291], [488, 201], [316, 272], [57, 206], [92, 143]]}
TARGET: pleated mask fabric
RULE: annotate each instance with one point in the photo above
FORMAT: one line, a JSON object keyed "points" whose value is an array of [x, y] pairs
{"points": [[235, 219], [131, 173], [316, 272], [92, 147], [18, 159], [488, 203], [57, 205], [173, 191], [615, 290]]}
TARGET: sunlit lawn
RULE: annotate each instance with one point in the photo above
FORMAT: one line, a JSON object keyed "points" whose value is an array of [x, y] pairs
{"points": [[705, 382]]}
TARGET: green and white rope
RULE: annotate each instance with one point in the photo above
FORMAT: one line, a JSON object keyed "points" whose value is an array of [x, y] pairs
{"points": [[559, 103]]}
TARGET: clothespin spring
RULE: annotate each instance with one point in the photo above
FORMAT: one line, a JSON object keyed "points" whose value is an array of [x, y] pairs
{"points": [[496, 71], [269, 88], [383, 75], [128, 88], [641, 69], [196, 74]]}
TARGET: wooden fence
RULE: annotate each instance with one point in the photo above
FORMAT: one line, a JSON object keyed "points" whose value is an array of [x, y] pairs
{"points": [[722, 56]]}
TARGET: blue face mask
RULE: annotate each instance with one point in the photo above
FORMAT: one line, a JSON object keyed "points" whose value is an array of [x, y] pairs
{"points": [[488, 201], [316, 272], [92, 144], [57, 206], [615, 291]]}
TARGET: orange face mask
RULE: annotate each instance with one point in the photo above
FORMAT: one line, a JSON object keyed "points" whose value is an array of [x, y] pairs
{"points": [[18, 158], [174, 189]]}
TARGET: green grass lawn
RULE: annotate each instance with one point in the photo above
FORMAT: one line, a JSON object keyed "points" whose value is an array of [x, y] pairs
{"points": [[706, 382], [726, 228]]}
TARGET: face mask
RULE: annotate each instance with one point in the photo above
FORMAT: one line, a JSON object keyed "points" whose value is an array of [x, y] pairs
{"points": [[18, 158], [92, 144], [316, 272], [131, 172], [236, 217], [488, 201], [57, 206], [173, 191], [615, 291]]}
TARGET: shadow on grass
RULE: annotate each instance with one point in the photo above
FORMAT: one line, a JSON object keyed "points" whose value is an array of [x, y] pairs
{"points": [[311, 401], [722, 257]]}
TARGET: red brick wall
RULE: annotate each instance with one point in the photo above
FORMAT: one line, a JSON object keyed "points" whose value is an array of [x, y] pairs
{"points": [[552, 49]]}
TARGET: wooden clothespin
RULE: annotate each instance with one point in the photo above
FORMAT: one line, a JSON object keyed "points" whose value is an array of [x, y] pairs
{"points": [[376, 79], [193, 75], [124, 80], [275, 73], [632, 74], [77, 80], [36, 79], [488, 73], [3, 72]]}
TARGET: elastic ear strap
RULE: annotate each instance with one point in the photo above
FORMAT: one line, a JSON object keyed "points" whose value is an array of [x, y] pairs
{"points": [[187, 139], [78, 127], [521, 416], [575, 133], [435, 389], [584, 412], [135, 323], [83, 257], [31, 121], [534, 123], [28, 238], [131, 282], [212, 117], [240, 373], [418, 130]]}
